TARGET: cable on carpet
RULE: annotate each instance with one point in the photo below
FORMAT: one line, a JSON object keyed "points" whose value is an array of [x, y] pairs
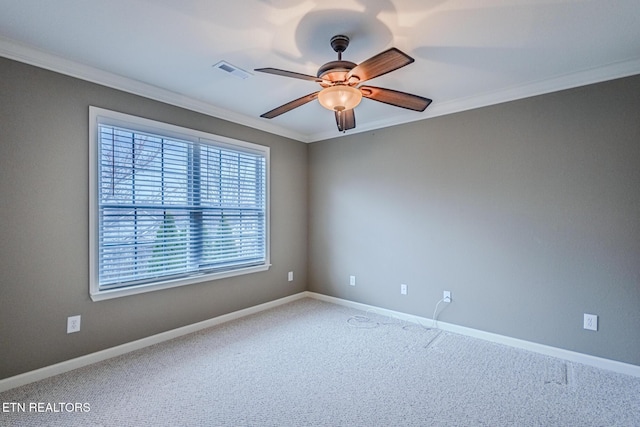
{"points": [[435, 310], [365, 322]]}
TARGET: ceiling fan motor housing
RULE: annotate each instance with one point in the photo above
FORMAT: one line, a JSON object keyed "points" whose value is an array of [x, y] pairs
{"points": [[335, 71]]}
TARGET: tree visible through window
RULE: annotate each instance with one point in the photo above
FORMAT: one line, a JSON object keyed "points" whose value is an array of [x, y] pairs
{"points": [[170, 248], [170, 208]]}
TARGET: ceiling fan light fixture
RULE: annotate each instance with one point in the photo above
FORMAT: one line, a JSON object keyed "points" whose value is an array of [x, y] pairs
{"points": [[339, 97]]}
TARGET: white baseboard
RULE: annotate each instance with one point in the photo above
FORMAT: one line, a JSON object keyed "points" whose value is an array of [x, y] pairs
{"points": [[79, 362], [571, 356]]}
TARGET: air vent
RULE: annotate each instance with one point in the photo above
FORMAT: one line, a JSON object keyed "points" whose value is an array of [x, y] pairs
{"points": [[232, 69]]}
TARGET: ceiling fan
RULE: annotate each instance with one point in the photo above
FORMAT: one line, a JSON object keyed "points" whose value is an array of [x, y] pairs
{"points": [[341, 90]]}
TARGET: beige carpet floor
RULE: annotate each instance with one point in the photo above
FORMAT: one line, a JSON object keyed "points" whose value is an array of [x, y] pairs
{"points": [[312, 363]]}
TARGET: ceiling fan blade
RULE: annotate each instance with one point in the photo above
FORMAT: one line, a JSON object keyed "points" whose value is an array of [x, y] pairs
{"points": [[380, 64], [289, 106], [395, 98], [345, 119], [286, 73]]}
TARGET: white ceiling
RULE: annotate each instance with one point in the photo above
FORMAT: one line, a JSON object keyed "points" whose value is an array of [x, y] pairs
{"points": [[467, 53]]}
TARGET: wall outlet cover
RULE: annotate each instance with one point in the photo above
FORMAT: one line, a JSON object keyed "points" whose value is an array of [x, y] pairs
{"points": [[446, 296], [73, 324], [591, 322]]}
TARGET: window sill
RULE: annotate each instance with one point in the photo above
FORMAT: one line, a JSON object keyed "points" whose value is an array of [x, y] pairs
{"points": [[97, 295]]}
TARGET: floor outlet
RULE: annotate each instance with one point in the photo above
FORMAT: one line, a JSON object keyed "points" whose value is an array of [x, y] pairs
{"points": [[73, 324], [403, 289], [446, 296], [352, 280]]}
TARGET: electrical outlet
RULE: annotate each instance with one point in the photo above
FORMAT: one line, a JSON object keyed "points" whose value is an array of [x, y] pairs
{"points": [[73, 324], [446, 296], [403, 289], [352, 280], [591, 322], [290, 276]]}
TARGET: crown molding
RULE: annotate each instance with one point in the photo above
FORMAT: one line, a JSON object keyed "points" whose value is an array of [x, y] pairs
{"points": [[32, 56], [39, 58], [540, 87]]}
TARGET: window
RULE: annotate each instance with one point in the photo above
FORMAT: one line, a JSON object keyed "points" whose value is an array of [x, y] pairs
{"points": [[172, 206]]}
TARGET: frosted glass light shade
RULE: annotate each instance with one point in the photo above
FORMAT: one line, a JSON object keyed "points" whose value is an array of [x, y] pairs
{"points": [[339, 97]]}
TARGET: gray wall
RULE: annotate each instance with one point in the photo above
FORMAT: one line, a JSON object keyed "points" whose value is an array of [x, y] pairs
{"points": [[528, 212], [44, 225]]}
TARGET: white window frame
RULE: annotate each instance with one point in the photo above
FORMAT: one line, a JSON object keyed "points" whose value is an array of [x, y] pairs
{"points": [[102, 116]]}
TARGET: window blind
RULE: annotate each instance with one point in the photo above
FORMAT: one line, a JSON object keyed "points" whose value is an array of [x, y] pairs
{"points": [[170, 208]]}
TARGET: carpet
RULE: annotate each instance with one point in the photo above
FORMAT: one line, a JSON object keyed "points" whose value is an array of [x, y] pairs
{"points": [[313, 363]]}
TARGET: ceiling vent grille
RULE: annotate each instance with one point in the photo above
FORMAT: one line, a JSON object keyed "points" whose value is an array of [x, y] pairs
{"points": [[232, 69]]}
